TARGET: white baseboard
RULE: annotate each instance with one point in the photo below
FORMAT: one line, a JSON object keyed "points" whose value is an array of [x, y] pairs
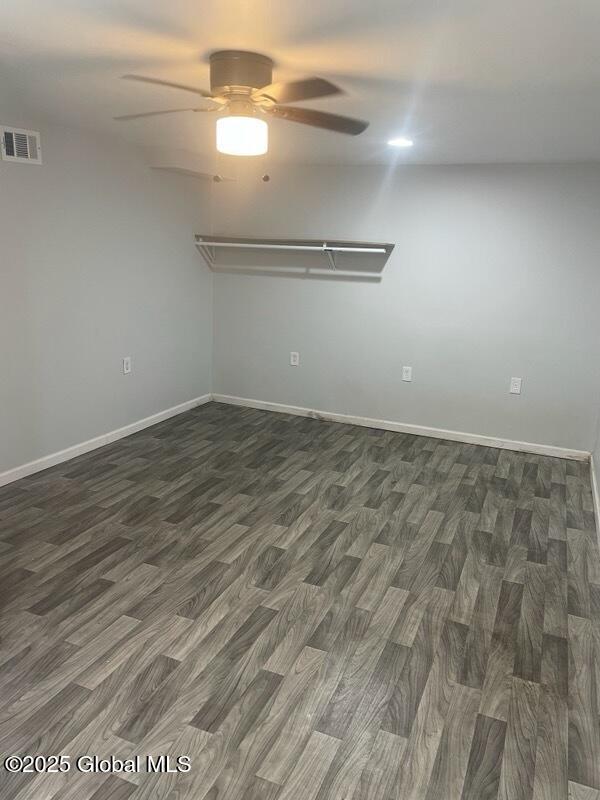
{"points": [[437, 433], [99, 441], [401, 427], [596, 495]]}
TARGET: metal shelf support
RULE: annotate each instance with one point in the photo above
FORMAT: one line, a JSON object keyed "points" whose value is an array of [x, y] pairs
{"points": [[330, 253]]}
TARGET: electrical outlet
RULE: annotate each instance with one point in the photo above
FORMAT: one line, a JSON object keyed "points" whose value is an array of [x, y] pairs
{"points": [[515, 385], [294, 359], [126, 365], [407, 374]]}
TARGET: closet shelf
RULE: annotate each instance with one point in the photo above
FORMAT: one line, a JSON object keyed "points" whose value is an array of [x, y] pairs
{"points": [[335, 252]]}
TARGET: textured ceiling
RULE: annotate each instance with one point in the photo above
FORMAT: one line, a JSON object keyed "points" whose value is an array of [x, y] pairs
{"points": [[476, 81]]}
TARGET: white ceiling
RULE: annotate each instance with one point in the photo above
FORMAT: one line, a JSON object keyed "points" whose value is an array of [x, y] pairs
{"points": [[468, 80]]}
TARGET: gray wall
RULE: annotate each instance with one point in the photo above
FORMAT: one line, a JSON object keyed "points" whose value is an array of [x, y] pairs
{"points": [[96, 262], [495, 273], [596, 458]]}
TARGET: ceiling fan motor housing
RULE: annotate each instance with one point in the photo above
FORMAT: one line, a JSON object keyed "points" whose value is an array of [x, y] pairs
{"points": [[237, 71]]}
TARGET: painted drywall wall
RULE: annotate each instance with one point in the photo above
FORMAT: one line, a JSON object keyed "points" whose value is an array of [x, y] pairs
{"points": [[596, 475], [96, 262], [495, 274]]}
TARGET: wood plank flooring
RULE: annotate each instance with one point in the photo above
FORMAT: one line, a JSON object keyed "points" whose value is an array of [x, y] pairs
{"points": [[308, 610]]}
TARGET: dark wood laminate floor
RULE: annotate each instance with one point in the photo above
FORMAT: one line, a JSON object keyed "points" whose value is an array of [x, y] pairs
{"points": [[308, 610]]}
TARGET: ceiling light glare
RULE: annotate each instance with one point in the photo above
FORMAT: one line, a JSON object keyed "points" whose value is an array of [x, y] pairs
{"points": [[401, 141], [242, 136]]}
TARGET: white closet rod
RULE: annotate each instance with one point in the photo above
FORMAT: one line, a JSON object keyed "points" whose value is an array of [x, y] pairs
{"points": [[312, 247]]}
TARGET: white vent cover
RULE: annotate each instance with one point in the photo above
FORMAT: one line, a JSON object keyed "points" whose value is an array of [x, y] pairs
{"points": [[21, 146]]}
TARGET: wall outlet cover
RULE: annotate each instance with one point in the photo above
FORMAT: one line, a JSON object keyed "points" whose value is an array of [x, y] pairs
{"points": [[294, 359], [515, 385], [126, 365], [407, 373]]}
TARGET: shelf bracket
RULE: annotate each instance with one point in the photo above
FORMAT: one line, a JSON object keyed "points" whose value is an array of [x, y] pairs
{"points": [[207, 253], [330, 256]]}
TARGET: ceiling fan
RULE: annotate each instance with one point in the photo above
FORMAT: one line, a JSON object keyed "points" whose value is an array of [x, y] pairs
{"points": [[241, 87]]}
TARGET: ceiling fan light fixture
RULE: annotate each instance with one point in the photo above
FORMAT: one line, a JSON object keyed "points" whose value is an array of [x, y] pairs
{"points": [[401, 141], [242, 136]]}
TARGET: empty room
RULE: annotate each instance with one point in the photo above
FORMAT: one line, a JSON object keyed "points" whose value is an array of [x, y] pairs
{"points": [[299, 400]]}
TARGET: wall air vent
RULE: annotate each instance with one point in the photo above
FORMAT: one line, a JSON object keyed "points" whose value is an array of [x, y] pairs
{"points": [[20, 145]]}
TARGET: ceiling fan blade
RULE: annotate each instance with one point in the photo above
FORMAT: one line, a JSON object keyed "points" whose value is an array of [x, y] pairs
{"points": [[125, 117], [293, 91], [215, 177], [171, 85], [320, 119]]}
